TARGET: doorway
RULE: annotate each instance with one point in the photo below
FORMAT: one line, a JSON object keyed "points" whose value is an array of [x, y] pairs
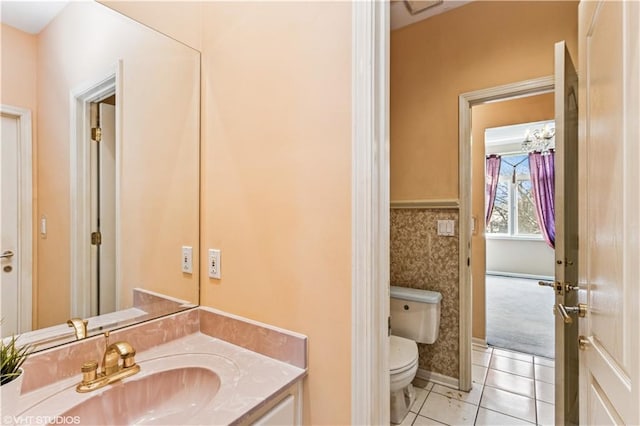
{"points": [[95, 166], [508, 247]]}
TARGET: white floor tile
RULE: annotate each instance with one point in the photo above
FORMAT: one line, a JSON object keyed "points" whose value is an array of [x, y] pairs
{"points": [[515, 355], [509, 403], [547, 362], [408, 420], [472, 397], [512, 365], [478, 373], [510, 382], [448, 410], [545, 374], [545, 392], [423, 421], [493, 418], [421, 395], [546, 414], [480, 358]]}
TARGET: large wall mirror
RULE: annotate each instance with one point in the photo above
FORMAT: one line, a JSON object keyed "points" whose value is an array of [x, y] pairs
{"points": [[100, 171]]}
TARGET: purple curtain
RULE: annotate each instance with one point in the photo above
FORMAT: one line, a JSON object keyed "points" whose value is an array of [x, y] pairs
{"points": [[491, 183], [542, 170]]}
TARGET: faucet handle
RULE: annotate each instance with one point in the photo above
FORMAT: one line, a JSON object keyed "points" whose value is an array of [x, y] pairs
{"points": [[129, 360], [89, 371]]}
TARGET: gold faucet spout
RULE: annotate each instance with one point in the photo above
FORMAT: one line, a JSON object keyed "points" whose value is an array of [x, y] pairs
{"points": [[79, 326], [116, 352]]}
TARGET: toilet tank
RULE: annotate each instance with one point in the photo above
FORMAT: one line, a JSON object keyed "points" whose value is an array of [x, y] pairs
{"points": [[415, 314]]}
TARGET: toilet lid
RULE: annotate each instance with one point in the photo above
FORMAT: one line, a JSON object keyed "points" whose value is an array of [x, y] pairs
{"points": [[403, 354]]}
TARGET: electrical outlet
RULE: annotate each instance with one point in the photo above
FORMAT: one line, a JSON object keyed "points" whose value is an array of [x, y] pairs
{"points": [[214, 263], [187, 259]]}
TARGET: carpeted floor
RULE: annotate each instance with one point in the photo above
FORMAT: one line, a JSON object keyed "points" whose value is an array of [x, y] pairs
{"points": [[519, 315]]}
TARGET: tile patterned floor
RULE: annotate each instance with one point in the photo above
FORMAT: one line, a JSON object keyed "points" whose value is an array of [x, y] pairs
{"points": [[509, 388]]}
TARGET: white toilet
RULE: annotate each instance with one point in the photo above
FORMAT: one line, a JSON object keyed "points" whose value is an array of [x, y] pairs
{"points": [[415, 317]]}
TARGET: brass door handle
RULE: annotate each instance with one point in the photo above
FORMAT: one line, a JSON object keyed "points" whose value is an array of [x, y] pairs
{"points": [[8, 254], [547, 284], [566, 311]]}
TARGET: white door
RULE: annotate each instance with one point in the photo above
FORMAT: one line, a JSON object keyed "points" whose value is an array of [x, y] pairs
{"points": [[566, 249], [9, 225], [609, 38], [107, 209], [15, 220], [103, 217]]}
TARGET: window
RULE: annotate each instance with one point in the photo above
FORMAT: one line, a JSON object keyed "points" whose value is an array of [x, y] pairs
{"points": [[514, 211]]}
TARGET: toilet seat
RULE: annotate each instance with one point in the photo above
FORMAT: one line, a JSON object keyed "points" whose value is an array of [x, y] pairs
{"points": [[403, 355]]}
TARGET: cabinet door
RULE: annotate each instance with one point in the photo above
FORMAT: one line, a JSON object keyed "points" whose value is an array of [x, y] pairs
{"points": [[281, 414]]}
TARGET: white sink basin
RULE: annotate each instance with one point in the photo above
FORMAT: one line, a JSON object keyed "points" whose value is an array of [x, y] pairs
{"points": [[166, 397], [172, 389]]}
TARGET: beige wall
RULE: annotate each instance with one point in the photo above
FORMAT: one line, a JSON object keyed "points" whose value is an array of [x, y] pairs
{"points": [[159, 198], [18, 88], [480, 45], [517, 111], [276, 176], [18, 60]]}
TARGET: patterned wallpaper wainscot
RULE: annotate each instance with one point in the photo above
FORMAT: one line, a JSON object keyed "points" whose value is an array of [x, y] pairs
{"points": [[422, 259]]}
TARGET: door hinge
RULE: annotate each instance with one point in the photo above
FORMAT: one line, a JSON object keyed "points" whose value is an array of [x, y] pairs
{"points": [[96, 134], [389, 326], [96, 238]]}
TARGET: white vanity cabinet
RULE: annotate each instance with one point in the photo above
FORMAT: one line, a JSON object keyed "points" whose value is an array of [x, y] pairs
{"points": [[284, 410]]}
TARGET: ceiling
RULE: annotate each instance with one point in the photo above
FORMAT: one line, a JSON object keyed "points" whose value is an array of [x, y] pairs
{"points": [[400, 16], [30, 16], [33, 16]]}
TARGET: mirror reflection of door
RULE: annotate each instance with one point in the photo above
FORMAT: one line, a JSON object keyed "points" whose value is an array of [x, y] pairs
{"points": [[15, 220], [103, 210]]}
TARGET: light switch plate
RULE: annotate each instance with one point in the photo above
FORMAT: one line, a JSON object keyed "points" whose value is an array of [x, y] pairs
{"points": [[446, 228], [187, 259], [213, 264]]}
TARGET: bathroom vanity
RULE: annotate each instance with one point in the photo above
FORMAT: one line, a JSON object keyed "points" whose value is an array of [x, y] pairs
{"points": [[200, 366]]}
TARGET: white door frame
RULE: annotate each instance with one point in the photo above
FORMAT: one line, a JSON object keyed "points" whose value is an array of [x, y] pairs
{"points": [[466, 102], [25, 215], [370, 392], [80, 184]]}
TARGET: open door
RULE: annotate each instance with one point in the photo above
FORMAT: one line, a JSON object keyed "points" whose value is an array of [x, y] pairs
{"points": [[103, 210], [609, 39], [566, 250]]}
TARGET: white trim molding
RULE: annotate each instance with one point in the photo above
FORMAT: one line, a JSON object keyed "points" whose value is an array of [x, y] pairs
{"points": [[426, 204], [465, 102], [25, 215], [370, 392]]}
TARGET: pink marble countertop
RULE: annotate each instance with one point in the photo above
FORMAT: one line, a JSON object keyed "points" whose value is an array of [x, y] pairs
{"points": [[248, 380]]}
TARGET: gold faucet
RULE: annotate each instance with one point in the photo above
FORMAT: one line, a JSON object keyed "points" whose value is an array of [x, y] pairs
{"points": [[79, 326], [112, 369]]}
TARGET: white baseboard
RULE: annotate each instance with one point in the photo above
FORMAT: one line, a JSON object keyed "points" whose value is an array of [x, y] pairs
{"points": [[441, 379], [479, 342]]}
